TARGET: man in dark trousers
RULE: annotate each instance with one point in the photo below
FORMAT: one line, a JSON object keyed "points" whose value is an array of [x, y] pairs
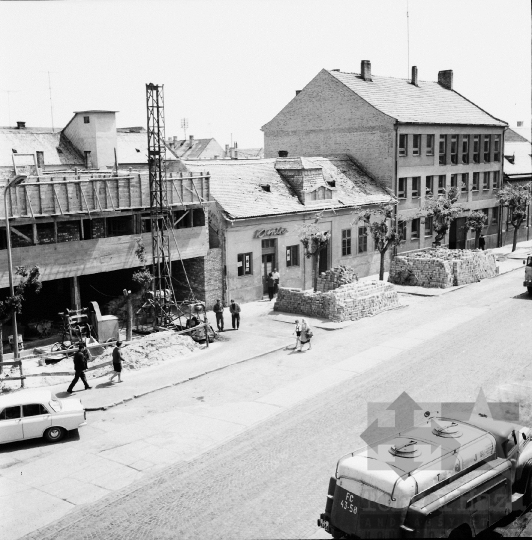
{"points": [[482, 242], [234, 308], [80, 365], [219, 312]]}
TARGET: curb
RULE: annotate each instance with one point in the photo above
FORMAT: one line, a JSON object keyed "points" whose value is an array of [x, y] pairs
{"points": [[177, 383]]}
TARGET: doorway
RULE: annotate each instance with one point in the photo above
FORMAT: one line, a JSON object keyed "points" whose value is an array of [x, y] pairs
{"points": [[268, 261], [323, 264], [457, 234]]}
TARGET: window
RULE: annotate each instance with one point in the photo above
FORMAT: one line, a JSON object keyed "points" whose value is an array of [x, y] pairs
{"points": [[465, 149], [487, 213], [429, 185], [401, 193], [497, 148], [487, 148], [441, 184], [443, 149], [88, 159], [268, 243], [292, 255], [428, 226], [403, 145], [474, 187], [454, 149], [40, 159], [454, 180], [198, 217], [486, 181], [33, 410], [416, 183], [465, 182], [430, 145], [86, 119], [476, 149], [416, 145], [401, 229], [495, 214], [320, 194], [10, 413], [346, 242], [415, 229], [362, 239], [244, 264], [495, 179]]}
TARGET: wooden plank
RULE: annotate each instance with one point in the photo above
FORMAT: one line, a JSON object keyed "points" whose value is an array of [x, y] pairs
{"points": [[140, 188], [18, 363], [28, 202], [67, 197], [57, 198], [110, 196], [85, 199], [21, 235]]}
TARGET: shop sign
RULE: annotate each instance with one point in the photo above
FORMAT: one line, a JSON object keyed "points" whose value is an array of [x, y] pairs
{"points": [[261, 233]]}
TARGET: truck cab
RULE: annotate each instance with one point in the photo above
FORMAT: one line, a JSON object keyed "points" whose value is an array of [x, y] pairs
{"points": [[528, 274], [431, 480]]}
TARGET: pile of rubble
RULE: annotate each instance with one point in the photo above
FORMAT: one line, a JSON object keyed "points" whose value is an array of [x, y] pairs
{"points": [[336, 277], [442, 267]]}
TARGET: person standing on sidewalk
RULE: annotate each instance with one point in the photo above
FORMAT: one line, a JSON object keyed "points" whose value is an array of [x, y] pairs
{"points": [[80, 365], [297, 332], [219, 312], [482, 242], [234, 309], [306, 335], [271, 286], [117, 362], [276, 277]]}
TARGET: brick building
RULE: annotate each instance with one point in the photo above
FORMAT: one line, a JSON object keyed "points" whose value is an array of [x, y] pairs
{"points": [[416, 137], [261, 206]]}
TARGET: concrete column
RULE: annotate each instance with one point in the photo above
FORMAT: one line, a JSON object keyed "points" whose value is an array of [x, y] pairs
{"points": [[75, 300]]}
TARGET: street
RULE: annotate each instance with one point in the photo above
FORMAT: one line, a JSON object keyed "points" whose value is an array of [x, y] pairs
{"points": [[276, 425]]}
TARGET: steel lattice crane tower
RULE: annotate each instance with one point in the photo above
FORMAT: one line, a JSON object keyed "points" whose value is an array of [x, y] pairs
{"points": [[160, 213]]}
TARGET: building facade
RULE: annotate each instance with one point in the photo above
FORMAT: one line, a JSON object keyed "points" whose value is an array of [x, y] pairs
{"points": [[417, 137]]}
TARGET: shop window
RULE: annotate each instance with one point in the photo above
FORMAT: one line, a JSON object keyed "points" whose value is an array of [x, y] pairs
{"points": [[430, 145], [292, 255], [465, 148], [198, 217], [346, 242], [416, 183], [441, 184], [416, 145], [401, 191], [428, 226], [465, 182], [362, 239], [486, 181], [476, 149], [245, 264], [443, 150], [429, 185], [487, 148], [119, 226], [415, 229], [403, 145], [497, 148], [476, 181], [454, 149]]}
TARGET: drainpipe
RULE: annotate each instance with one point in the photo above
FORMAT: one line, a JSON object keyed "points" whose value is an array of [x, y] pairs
{"points": [[396, 188], [501, 181]]}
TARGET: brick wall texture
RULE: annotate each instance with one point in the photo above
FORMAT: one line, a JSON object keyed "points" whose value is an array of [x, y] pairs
{"points": [[442, 267], [332, 279], [348, 301]]}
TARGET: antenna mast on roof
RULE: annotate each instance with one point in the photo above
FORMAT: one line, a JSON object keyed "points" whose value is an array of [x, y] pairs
{"points": [[51, 102], [407, 40], [184, 126]]}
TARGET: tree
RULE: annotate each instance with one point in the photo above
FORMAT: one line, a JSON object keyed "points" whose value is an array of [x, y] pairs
{"points": [[314, 241], [382, 229], [476, 221], [30, 280], [517, 199], [443, 209], [142, 277]]}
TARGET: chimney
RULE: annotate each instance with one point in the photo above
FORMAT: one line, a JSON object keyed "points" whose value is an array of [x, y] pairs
{"points": [[283, 153], [175, 141], [365, 70], [445, 79], [191, 139], [21, 125], [414, 76], [298, 92]]}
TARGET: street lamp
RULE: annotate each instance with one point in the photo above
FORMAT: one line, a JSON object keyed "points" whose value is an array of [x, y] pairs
{"points": [[14, 182]]}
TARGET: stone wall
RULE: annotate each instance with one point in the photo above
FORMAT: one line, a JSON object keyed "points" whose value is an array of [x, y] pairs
{"points": [[442, 267], [351, 301], [336, 277]]}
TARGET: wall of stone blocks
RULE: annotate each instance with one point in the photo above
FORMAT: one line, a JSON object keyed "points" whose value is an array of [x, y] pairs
{"points": [[442, 267]]}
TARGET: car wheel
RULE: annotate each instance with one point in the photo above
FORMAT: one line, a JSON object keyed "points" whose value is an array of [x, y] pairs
{"points": [[54, 434]]}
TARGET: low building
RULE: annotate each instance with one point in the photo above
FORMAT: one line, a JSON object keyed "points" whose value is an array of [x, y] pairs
{"points": [[193, 149], [261, 207]]}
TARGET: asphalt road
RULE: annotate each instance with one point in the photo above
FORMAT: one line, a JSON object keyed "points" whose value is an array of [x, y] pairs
{"points": [[271, 481]]}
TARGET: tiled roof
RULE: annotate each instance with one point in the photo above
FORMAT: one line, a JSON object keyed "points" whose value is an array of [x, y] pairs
{"points": [[520, 154], [31, 140], [511, 136], [236, 186], [184, 150], [427, 103]]}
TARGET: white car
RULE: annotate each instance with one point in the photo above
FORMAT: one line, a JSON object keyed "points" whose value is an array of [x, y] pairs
{"points": [[31, 413]]}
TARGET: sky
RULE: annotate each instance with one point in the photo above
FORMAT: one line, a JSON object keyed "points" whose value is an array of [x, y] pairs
{"points": [[229, 66]]}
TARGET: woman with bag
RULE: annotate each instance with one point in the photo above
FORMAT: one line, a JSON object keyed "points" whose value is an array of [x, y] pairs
{"points": [[306, 335]]}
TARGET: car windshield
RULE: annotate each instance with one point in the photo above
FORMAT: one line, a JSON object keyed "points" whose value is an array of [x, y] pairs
{"points": [[55, 404]]}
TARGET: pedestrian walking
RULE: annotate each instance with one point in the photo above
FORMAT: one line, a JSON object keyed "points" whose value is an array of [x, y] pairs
{"points": [[297, 332], [117, 362], [306, 335], [482, 242], [276, 277], [219, 312], [271, 285], [234, 309], [80, 365]]}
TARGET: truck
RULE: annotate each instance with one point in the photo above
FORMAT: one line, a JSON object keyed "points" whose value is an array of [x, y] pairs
{"points": [[443, 478], [528, 275]]}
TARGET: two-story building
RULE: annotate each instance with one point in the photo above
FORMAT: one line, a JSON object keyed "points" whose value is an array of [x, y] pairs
{"points": [[417, 137]]}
